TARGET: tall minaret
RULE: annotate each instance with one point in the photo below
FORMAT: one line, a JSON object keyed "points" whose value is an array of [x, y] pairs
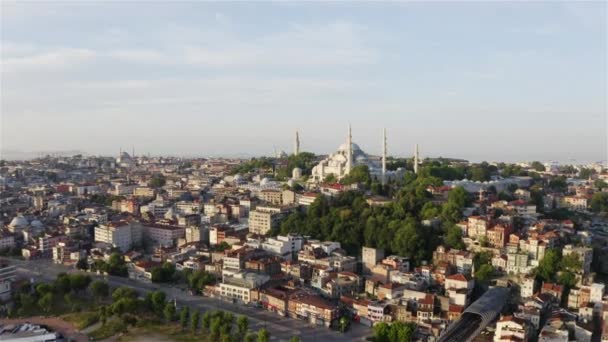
{"points": [[384, 158], [416, 161], [296, 146], [349, 151]]}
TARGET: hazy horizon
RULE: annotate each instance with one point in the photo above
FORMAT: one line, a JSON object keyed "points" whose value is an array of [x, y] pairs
{"points": [[495, 81]]}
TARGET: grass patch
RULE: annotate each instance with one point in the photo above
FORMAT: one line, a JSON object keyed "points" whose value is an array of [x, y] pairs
{"points": [[146, 330], [111, 328], [82, 320]]}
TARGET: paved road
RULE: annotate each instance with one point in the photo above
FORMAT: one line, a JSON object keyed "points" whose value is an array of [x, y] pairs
{"points": [[280, 328]]}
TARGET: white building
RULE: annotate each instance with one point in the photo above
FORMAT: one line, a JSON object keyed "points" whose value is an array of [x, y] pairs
{"points": [[283, 246], [528, 285], [239, 286], [163, 235], [511, 328], [123, 235], [597, 292]]}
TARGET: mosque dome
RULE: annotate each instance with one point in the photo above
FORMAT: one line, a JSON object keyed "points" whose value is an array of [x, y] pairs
{"points": [[291, 182], [344, 148], [19, 222], [264, 181]]}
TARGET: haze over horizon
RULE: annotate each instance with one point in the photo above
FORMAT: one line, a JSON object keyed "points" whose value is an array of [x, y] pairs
{"points": [[479, 81]]}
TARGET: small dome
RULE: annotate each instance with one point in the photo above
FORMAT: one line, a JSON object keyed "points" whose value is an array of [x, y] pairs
{"points": [[264, 181], [291, 182], [19, 222]]}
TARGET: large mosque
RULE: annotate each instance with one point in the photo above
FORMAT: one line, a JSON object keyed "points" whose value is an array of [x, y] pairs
{"points": [[349, 155]]}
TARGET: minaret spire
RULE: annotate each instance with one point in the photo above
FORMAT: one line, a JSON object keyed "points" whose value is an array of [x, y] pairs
{"points": [[416, 161], [349, 150], [384, 158], [297, 144]]}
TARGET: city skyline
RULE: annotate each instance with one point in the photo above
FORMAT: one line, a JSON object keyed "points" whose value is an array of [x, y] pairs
{"points": [[208, 79]]}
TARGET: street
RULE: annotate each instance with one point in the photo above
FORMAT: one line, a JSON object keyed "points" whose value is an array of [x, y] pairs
{"points": [[280, 328]]}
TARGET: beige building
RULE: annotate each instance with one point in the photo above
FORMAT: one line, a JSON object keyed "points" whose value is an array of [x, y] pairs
{"points": [[262, 221], [370, 257], [271, 196]]}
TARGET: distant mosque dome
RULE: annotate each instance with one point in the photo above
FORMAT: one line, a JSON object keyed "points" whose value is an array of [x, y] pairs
{"points": [[291, 182], [123, 157], [19, 222], [264, 181], [125, 160], [344, 148]]}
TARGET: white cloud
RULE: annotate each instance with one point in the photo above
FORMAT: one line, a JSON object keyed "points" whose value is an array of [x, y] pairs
{"points": [[334, 44], [55, 59]]}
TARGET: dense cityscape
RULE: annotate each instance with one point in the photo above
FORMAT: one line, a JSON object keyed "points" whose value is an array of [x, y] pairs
{"points": [[296, 246]]}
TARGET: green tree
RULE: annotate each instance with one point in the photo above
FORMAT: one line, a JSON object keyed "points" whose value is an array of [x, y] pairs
{"points": [[195, 322], [538, 166], [99, 289], [458, 195], [453, 237], [484, 273], [157, 181], [46, 302], [429, 211], [567, 278], [600, 184], [343, 323], [164, 273], [571, 262], [242, 324], [116, 265], [585, 173], [548, 266], [42, 289], [481, 258], [599, 202], [103, 314], [358, 174], [79, 282], [263, 335], [381, 332], [62, 283], [169, 312], [158, 299], [184, 315], [206, 321], [123, 292], [330, 179]]}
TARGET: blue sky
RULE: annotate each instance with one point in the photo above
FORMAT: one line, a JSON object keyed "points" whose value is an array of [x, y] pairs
{"points": [[484, 81]]}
